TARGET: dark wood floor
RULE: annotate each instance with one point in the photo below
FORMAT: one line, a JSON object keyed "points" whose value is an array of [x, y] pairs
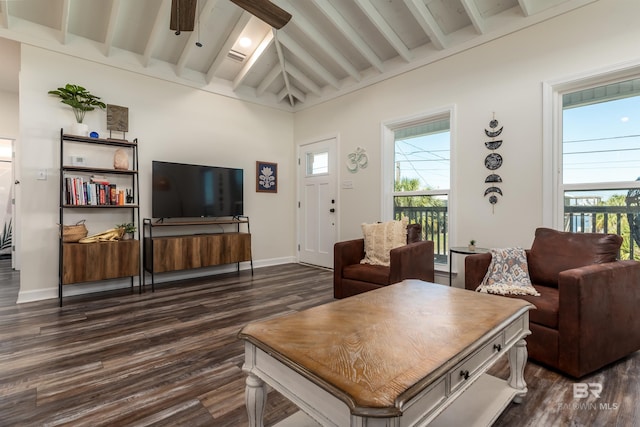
{"points": [[171, 358]]}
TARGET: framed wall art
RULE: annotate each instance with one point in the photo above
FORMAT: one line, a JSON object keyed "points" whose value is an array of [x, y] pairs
{"points": [[266, 177], [117, 119]]}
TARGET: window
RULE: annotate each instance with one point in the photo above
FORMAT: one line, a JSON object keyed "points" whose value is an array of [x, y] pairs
{"points": [[317, 163], [419, 176], [600, 161]]}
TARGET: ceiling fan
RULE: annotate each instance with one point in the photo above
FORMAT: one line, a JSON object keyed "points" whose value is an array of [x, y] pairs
{"points": [[183, 13]]}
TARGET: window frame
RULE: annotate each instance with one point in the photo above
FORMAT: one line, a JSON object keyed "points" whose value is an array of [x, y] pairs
{"points": [[388, 129], [553, 187]]}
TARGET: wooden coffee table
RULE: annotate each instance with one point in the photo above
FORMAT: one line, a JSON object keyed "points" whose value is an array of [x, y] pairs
{"points": [[409, 354]]}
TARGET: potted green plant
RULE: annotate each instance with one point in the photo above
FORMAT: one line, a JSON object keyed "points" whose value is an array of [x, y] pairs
{"points": [[472, 245], [129, 228], [80, 100]]}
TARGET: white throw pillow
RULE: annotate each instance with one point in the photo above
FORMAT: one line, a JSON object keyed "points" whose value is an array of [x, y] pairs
{"points": [[508, 274], [380, 238]]}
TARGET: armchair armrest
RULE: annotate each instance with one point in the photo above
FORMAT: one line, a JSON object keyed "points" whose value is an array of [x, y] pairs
{"points": [[597, 321], [348, 253], [412, 261], [475, 268]]}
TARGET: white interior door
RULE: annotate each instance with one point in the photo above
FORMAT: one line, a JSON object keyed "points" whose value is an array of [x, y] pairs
{"points": [[318, 205]]}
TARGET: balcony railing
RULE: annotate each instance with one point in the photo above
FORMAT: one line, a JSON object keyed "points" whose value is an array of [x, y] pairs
{"points": [[435, 226], [622, 220], [578, 219]]}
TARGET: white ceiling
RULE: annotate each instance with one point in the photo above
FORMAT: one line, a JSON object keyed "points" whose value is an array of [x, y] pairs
{"points": [[330, 47]]}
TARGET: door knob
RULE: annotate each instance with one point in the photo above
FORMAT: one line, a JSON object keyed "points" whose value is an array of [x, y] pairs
{"points": [[332, 210]]}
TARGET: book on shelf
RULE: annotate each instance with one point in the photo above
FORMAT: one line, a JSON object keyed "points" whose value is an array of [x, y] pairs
{"points": [[99, 179], [78, 191]]}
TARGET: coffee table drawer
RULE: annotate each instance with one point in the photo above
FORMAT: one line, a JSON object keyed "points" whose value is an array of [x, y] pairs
{"points": [[470, 366], [514, 331]]}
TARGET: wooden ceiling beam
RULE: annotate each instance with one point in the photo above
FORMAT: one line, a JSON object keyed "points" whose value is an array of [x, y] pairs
{"points": [[427, 22], [350, 33], [241, 22], [312, 32], [533, 7], [293, 94], [159, 26], [303, 79], [271, 77], [309, 60], [111, 26], [250, 62], [64, 21], [203, 16], [4, 6], [287, 84], [475, 16], [526, 6], [385, 29]]}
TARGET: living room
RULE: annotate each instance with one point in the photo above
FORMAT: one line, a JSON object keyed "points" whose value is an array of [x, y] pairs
{"points": [[506, 77]]}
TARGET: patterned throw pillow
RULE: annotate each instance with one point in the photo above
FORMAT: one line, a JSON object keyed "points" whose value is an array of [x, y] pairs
{"points": [[508, 273], [380, 238]]}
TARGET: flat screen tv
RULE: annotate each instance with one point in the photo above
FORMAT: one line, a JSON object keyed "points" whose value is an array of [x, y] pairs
{"points": [[187, 191]]}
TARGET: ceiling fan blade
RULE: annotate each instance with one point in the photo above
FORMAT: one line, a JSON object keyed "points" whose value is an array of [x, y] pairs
{"points": [[266, 11], [183, 15]]}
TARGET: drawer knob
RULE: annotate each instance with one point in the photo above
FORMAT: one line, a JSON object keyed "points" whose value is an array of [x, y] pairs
{"points": [[497, 347], [464, 374]]}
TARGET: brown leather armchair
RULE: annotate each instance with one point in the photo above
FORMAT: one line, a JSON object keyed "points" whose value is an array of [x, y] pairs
{"points": [[413, 261], [586, 313]]}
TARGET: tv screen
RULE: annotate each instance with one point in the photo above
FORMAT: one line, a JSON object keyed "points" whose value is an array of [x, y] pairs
{"points": [[181, 190]]}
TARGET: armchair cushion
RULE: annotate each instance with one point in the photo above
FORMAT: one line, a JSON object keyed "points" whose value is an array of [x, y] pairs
{"points": [[547, 306], [555, 251], [381, 238], [377, 274]]}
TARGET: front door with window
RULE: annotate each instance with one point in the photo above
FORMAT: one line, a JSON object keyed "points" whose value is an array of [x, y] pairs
{"points": [[317, 210]]}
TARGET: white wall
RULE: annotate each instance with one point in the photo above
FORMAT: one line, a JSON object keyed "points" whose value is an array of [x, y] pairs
{"points": [[504, 76], [172, 123]]}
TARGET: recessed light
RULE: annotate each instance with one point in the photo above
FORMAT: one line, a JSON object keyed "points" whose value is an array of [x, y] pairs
{"points": [[245, 42]]}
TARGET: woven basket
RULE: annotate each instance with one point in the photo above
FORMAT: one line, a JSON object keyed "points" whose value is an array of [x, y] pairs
{"points": [[73, 233]]}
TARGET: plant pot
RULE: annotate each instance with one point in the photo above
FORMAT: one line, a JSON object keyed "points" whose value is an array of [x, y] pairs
{"points": [[472, 247], [79, 129]]}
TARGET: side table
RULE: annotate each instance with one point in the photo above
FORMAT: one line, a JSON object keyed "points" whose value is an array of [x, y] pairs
{"points": [[464, 250]]}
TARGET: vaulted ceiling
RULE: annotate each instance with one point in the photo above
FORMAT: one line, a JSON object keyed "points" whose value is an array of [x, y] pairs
{"points": [[328, 48]]}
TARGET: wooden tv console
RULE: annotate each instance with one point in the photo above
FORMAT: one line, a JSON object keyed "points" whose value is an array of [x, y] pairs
{"points": [[165, 252]]}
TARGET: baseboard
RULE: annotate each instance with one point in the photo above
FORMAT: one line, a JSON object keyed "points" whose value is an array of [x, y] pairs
{"points": [[88, 288], [37, 295], [228, 268], [72, 290], [274, 261]]}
